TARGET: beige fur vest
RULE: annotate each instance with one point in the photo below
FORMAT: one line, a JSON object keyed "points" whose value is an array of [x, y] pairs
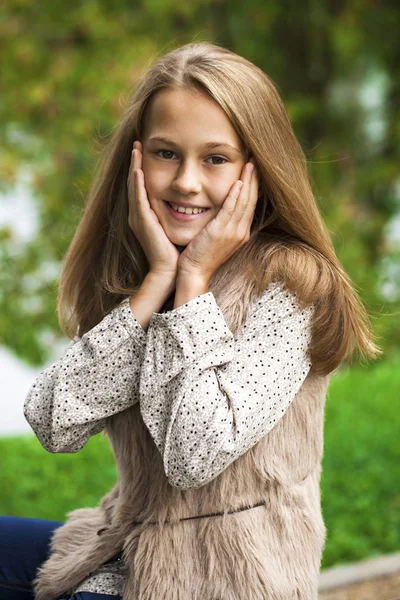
{"points": [[270, 552]]}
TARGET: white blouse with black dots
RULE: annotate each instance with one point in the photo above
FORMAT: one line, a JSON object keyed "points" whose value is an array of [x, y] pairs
{"points": [[206, 395]]}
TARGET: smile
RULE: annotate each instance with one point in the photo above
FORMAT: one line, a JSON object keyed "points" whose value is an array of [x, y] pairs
{"points": [[182, 215]]}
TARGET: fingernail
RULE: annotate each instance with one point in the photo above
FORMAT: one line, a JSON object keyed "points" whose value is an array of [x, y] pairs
{"points": [[250, 168], [239, 185]]}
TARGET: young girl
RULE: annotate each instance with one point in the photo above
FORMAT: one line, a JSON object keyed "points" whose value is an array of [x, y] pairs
{"points": [[210, 311]]}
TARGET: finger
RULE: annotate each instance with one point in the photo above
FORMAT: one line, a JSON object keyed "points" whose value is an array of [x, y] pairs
{"points": [[248, 212], [243, 197], [139, 148], [229, 211], [139, 152], [226, 213], [235, 203], [132, 177], [136, 161], [137, 166], [140, 184], [140, 195]]}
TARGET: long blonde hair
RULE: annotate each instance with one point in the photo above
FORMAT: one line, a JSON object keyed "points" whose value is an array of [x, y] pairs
{"points": [[289, 240]]}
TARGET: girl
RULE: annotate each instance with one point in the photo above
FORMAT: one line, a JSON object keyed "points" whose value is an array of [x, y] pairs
{"points": [[210, 311]]}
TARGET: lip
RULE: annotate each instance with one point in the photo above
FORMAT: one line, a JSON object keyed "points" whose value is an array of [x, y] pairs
{"points": [[182, 216]]}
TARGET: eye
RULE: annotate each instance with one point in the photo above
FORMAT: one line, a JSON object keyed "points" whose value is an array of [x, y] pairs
{"points": [[165, 152], [219, 158], [166, 155]]}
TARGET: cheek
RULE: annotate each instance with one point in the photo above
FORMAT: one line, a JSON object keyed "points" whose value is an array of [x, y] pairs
{"points": [[154, 179], [221, 188]]}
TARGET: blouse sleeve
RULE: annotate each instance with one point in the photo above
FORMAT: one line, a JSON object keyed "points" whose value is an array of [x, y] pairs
{"points": [[97, 377], [207, 396]]}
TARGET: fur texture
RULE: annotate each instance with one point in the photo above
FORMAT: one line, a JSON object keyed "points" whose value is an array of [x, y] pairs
{"points": [[271, 552]]}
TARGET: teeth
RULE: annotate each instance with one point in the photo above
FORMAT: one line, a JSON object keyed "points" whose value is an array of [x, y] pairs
{"points": [[187, 211]]}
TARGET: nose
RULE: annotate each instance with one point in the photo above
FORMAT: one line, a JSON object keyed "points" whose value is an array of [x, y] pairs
{"points": [[187, 179]]}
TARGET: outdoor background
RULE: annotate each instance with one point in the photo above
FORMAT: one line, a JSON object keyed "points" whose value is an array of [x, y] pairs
{"points": [[67, 71]]}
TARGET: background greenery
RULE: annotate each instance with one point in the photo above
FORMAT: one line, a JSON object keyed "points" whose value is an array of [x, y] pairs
{"points": [[67, 70]]}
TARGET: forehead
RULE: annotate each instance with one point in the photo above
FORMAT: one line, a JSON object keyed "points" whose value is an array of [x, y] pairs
{"points": [[185, 114]]}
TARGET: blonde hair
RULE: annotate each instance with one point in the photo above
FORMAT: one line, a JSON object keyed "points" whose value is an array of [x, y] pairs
{"points": [[289, 240]]}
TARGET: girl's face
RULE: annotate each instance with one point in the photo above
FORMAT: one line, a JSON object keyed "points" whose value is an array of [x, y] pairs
{"points": [[191, 156]]}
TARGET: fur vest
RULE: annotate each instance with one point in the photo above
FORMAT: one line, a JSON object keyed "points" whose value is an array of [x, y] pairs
{"points": [[269, 552]]}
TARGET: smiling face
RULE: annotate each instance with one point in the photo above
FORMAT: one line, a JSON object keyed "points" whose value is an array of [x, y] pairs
{"points": [[197, 160]]}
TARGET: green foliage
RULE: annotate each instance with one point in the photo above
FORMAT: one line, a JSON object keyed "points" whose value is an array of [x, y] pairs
{"points": [[359, 485], [361, 466], [66, 81], [38, 484]]}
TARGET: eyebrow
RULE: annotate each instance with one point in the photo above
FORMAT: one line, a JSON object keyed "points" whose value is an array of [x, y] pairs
{"points": [[165, 140]]}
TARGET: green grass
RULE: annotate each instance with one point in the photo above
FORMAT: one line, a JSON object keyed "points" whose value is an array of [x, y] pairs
{"points": [[35, 483], [361, 468], [360, 480]]}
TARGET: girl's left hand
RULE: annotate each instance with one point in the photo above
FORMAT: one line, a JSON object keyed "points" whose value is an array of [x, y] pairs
{"points": [[227, 232]]}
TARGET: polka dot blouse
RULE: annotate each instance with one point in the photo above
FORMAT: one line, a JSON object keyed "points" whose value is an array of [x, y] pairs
{"points": [[206, 395]]}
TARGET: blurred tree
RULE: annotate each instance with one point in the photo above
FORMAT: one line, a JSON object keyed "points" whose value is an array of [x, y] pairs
{"points": [[337, 66], [67, 72]]}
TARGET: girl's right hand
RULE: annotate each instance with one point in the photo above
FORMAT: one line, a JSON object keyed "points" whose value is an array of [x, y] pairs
{"points": [[160, 251]]}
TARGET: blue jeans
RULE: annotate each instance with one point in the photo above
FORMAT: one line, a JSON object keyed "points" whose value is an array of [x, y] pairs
{"points": [[24, 546]]}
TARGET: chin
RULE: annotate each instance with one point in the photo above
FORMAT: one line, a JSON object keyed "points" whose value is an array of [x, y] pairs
{"points": [[179, 241]]}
